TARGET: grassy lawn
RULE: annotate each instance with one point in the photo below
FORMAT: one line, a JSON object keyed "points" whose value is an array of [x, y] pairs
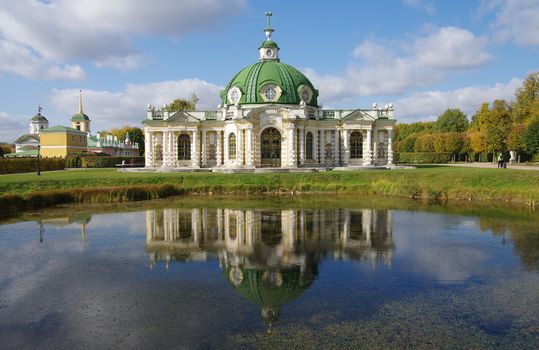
{"points": [[445, 183]]}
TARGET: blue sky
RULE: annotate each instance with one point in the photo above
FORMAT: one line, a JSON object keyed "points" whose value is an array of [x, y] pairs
{"points": [[423, 56]]}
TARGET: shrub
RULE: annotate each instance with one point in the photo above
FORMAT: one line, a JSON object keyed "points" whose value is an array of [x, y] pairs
{"points": [[28, 165], [422, 157]]}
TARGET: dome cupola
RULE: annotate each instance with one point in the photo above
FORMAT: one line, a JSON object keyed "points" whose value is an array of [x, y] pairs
{"points": [[269, 81]]}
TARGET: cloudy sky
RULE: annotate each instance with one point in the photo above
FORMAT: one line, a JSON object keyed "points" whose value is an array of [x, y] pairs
{"points": [[423, 56]]}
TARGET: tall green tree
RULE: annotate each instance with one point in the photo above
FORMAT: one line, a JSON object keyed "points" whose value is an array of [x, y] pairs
{"points": [[497, 126], [135, 135], [531, 137], [515, 139], [181, 104], [453, 120], [526, 106]]}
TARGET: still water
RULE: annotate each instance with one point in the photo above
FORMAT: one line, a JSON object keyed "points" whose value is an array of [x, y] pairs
{"points": [[277, 273]]}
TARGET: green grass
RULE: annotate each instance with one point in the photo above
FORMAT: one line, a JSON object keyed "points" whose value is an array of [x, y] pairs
{"points": [[434, 183]]}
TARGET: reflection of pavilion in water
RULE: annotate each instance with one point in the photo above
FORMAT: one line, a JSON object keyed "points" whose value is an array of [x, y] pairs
{"points": [[269, 256]]}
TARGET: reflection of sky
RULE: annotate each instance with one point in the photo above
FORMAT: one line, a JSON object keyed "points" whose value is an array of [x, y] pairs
{"points": [[101, 293]]}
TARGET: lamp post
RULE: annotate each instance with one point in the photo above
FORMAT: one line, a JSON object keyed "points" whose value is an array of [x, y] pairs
{"points": [[38, 156]]}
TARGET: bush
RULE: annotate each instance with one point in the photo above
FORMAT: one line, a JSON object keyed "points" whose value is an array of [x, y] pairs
{"points": [[422, 157], [100, 161], [28, 165]]}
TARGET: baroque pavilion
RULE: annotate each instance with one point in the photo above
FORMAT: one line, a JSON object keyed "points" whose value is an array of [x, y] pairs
{"points": [[269, 117]]}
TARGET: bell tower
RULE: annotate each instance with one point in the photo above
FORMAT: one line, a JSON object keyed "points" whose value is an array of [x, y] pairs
{"points": [[80, 121]]}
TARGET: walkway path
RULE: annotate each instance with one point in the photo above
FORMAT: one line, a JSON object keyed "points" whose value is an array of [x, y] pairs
{"points": [[494, 166]]}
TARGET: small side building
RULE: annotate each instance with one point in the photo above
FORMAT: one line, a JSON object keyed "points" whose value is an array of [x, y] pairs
{"points": [[59, 141]]}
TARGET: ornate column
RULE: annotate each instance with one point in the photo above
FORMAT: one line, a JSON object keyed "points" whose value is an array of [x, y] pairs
{"points": [[226, 137], [322, 146], [336, 148], [203, 148], [164, 163], [374, 152], [346, 147], [367, 158], [292, 147], [239, 147], [301, 146], [249, 148], [389, 147], [174, 157], [219, 148], [315, 146], [148, 149], [195, 163]]}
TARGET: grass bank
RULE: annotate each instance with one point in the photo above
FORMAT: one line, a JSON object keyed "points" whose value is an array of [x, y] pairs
{"points": [[108, 185]]}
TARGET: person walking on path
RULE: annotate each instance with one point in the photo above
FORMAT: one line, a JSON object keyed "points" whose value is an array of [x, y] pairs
{"points": [[500, 160]]}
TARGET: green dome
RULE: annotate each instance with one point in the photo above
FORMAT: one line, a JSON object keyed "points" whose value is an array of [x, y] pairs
{"points": [[79, 117], [252, 80], [268, 44], [38, 118]]}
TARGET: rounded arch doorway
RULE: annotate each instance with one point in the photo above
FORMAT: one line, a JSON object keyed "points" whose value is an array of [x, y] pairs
{"points": [[270, 148]]}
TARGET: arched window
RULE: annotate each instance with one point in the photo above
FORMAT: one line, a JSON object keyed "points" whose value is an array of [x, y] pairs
{"points": [[309, 146], [356, 145], [232, 146], [184, 147]]}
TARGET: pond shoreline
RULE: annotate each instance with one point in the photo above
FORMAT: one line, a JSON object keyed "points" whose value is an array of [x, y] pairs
{"points": [[438, 184]]}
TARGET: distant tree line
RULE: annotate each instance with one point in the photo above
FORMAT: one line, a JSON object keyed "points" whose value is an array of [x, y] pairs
{"points": [[497, 127]]}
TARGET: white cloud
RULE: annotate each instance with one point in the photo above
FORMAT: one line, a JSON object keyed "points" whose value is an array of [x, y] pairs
{"points": [[108, 109], [452, 48], [431, 104], [102, 31], [19, 60], [381, 70], [12, 127], [421, 5], [516, 20]]}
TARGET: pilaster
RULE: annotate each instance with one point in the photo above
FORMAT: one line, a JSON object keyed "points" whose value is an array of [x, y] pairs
{"points": [[249, 148], [301, 146], [195, 160], [292, 147], [219, 148]]}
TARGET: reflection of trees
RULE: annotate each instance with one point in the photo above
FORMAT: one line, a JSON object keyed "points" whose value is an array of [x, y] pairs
{"points": [[523, 233], [269, 256]]}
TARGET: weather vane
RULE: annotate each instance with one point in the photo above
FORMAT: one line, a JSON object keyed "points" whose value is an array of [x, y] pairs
{"points": [[39, 109], [269, 14], [268, 30]]}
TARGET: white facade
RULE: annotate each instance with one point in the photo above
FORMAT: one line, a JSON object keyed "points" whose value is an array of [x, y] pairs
{"points": [[238, 136]]}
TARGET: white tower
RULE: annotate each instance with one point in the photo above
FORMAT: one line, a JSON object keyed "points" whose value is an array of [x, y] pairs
{"points": [[38, 122]]}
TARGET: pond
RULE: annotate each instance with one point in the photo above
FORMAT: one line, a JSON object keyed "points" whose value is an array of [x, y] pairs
{"points": [[280, 272]]}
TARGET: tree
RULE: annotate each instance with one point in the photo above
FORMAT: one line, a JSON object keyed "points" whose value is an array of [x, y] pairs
{"points": [[531, 137], [425, 143], [478, 142], [6, 148], [515, 139], [181, 104], [497, 126], [453, 120], [526, 106], [135, 135], [480, 118]]}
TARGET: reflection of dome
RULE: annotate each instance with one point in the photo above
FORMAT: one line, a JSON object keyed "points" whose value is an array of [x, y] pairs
{"points": [[286, 285], [253, 80], [270, 287]]}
